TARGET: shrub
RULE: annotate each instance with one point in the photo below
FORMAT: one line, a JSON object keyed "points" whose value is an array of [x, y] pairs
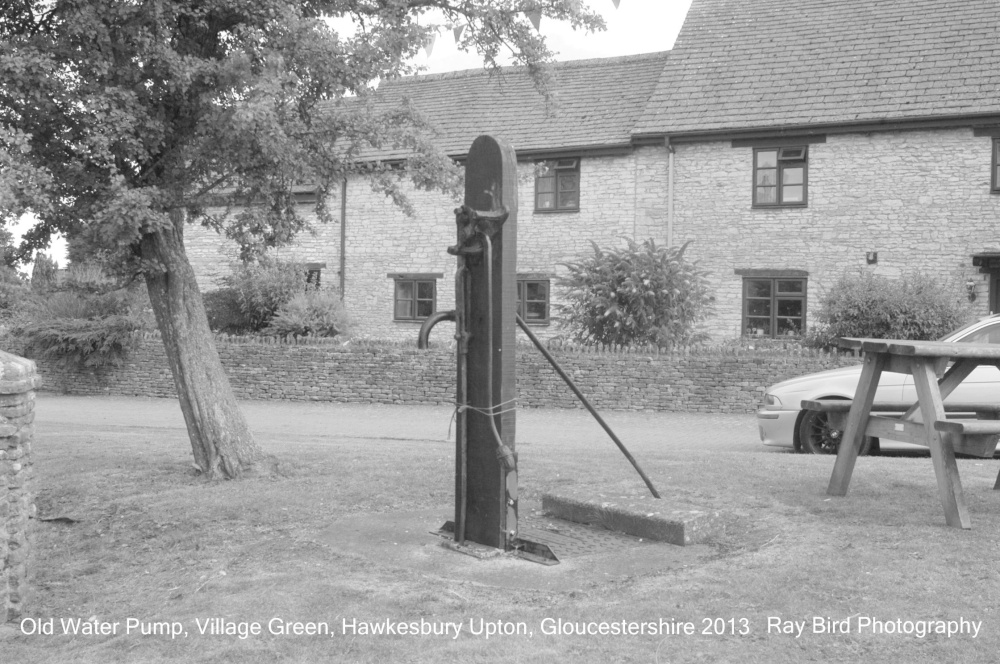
{"points": [[262, 287], [15, 294], [314, 313], [43, 274], [224, 312], [640, 294], [74, 328], [89, 278], [867, 305]]}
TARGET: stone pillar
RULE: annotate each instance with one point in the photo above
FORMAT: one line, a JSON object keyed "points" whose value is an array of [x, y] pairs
{"points": [[18, 381]]}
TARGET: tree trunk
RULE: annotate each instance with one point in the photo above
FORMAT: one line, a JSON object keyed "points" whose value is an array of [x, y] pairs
{"points": [[222, 442]]}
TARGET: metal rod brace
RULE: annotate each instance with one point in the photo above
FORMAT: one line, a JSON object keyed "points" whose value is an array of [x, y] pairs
{"points": [[583, 400]]}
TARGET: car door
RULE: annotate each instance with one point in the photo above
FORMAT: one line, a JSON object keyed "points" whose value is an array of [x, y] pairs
{"points": [[983, 384]]}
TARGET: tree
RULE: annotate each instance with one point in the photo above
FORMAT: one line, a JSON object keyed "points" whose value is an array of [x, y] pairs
{"points": [[18, 179], [638, 294], [129, 119]]}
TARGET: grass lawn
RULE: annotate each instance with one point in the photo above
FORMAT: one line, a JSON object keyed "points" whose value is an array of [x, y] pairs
{"points": [[152, 543]]}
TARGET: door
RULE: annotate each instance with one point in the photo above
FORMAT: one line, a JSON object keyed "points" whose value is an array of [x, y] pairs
{"points": [[994, 292]]}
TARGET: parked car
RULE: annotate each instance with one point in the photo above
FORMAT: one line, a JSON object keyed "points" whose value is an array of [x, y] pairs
{"points": [[783, 423]]}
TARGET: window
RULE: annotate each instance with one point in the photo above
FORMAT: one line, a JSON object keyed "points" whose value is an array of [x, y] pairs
{"points": [[995, 167], [533, 301], [304, 196], [415, 296], [557, 185], [779, 176], [314, 272], [774, 306]]}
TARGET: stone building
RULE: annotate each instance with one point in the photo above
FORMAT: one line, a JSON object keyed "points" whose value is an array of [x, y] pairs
{"points": [[813, 138], [788, 142], [601, 185]]}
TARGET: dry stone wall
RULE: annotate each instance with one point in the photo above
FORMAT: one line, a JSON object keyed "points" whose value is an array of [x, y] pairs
{"points": [[18, 382], [712, 380]]}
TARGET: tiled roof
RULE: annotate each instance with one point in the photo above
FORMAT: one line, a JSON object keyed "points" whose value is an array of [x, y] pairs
{"points": [[596, 103], [740, 64]]}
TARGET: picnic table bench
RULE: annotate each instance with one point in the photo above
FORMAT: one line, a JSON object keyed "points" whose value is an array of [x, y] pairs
{"points": [[976, 437], [924, 422]]}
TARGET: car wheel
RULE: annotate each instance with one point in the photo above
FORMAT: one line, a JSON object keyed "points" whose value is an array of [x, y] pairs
{"points": [[817, 436]]}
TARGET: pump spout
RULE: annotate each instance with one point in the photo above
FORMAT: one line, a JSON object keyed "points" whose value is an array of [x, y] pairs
{"points": [[432, 320]]}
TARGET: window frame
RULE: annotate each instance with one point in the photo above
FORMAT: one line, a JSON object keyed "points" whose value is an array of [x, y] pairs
{"points": [[558, 166], [414, 309], [995, 167], [784, 160], [520, 305], [774, 298], [314, 274]]}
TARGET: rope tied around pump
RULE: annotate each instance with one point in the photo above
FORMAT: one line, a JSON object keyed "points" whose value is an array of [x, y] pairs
{"points": [[492, 411], [475, 230], [504, 454]]}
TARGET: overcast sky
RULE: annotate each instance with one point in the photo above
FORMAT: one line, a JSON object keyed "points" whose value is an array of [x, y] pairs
{"points": [[636, 26]]}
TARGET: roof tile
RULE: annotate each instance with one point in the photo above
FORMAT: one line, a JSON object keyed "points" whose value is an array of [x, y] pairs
{"points": [[596, 103], [944, 56]]}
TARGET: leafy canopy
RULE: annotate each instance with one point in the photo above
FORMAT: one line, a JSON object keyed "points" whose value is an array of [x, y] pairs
{"points": [[115, 112]]}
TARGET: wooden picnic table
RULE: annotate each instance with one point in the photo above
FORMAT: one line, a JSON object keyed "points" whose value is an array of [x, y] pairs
{"points": [[925, 422]]}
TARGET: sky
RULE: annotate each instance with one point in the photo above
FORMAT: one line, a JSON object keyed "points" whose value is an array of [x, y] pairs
{"points": [[635, 26]]}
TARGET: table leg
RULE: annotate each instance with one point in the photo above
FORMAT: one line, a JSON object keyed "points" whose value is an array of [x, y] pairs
{"points": [[857, 420], [952, 378], [996, 486], [942, 453]]}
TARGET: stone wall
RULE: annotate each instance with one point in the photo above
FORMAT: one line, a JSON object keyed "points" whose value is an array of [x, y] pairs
{"points": [[18, 381], [715, 380]]}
